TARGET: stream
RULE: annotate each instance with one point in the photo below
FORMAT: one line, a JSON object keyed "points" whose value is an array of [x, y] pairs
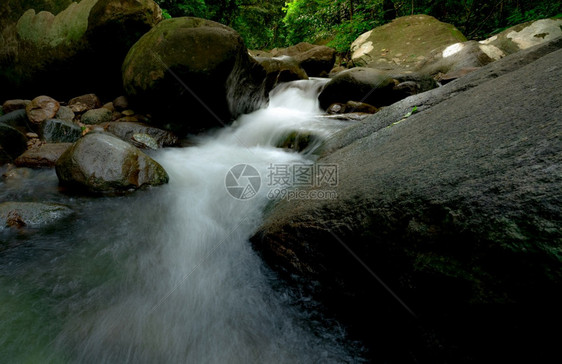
{"points": [[167, 274]]}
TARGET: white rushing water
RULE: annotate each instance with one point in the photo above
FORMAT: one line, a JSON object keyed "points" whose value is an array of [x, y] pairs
{"points": [[168, 275]]}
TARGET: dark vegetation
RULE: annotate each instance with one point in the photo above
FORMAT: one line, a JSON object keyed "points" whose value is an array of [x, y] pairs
{"points": [[279, 23]]}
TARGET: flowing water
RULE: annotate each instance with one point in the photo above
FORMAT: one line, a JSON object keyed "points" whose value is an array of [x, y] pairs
{"points": [[167, 274]]}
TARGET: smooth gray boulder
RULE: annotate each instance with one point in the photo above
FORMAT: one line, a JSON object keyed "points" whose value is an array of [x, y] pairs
{"points": [[443, 243], [102, 163]]}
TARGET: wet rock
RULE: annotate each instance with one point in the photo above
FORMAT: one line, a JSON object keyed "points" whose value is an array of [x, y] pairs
{"points": [[12, 143], [42, 108], [455, 208], [45, 155], [31, 214], [298, 141], [358, 84], [127, 130], [13, 105], [60, 131], [316, 60], [96, 116], [16, 119], [84, 103], [281, 69], [102, 163], [217, 69]]}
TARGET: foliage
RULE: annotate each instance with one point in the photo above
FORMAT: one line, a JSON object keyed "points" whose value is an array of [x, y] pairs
{"points": [[276, 23]]}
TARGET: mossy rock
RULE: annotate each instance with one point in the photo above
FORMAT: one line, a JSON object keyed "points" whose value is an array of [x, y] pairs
{"points": [[102, 163], [403, 43], [180, 72], [88, 39]]}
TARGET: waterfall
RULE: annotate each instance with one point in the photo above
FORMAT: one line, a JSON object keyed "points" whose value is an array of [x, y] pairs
{"points": [[167, 275]]}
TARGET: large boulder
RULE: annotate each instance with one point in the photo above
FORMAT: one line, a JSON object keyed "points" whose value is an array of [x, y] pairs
{"points": [[525, 35], [443, 243], [102, 163], [316, 60], [279, 70], [460, 56], [43, 53], [191, 74], [358, 84], [403, 44]]}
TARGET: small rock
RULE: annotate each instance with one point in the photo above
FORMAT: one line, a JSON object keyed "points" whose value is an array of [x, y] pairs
{"points": [[297, 141], [128, 112], [13, 105], [360, 107], [336, 108], [60, 131], [128, 119], [142, 140], [109, 106], [32, 135], [31, 214], [126, 131], [45, 155], [121, 103], [96, 116], [116, 115], [84, 103], [65, 113], [42, 108]]}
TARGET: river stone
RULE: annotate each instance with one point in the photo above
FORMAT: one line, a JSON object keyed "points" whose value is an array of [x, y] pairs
{"points": [[455, 208], [96, 116], [121, 103], [60, 131], [11, 105], [84, 103], [17, 119], [46, 155], [127, 130], [12, 143], [31, 214], [102, 163], [358, 84], [65, 113], [280, 69], [42, 108], [316, 60], [404, 43], [189, 91], [43, 52]]}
